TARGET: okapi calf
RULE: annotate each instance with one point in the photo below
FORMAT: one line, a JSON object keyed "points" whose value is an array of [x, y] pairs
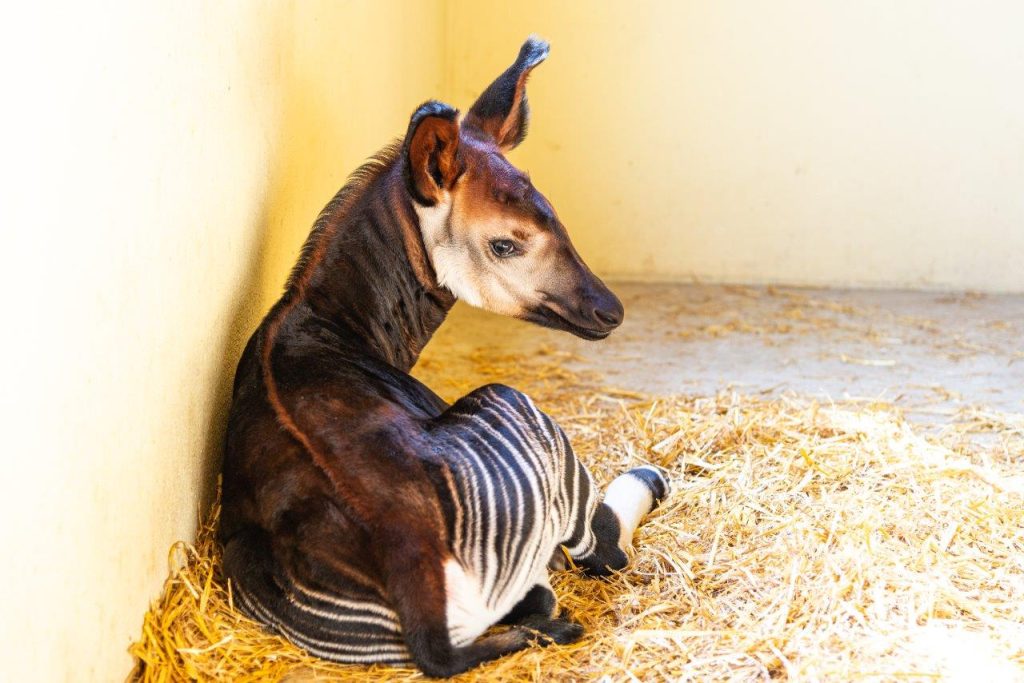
{"points": [[363, 518]]}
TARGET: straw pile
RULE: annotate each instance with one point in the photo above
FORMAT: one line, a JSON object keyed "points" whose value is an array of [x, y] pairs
{"points": [[802, 541]]}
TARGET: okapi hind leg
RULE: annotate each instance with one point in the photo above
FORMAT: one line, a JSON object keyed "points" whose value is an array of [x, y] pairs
{"points": [[416, 584], [560, 630], [540, 601], [442, 660], [538, 611], [417, 590]]}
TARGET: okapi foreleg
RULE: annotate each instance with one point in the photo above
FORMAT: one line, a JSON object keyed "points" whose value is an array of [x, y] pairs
{"points": [[632, 496], [629, 498]]}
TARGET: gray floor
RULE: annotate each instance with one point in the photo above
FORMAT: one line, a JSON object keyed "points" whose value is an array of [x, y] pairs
{"points": [[928, 351]]}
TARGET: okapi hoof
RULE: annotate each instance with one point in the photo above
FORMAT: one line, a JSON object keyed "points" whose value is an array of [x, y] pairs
{"points": [[657, 481], [558, 631]]}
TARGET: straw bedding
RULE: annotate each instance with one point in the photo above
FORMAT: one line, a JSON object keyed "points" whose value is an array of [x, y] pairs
{"points": [[802, 541]]}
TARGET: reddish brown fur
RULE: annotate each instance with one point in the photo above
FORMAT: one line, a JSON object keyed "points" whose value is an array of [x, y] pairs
{"points": [[330, 476]]}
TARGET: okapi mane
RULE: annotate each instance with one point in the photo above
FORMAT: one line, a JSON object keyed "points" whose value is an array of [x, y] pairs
{"points": [[332, 218], [333, 214]]}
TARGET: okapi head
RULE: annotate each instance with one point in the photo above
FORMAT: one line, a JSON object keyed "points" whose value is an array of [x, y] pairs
{"points": [[492, 238]]}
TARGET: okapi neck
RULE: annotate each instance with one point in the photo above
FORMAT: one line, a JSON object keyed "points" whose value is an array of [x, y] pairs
{"points": [[374, 283]]}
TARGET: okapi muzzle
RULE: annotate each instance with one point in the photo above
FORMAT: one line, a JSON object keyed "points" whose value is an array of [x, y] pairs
{"points": [[491, 237]]}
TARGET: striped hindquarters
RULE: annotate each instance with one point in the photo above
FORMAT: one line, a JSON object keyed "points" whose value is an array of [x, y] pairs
{"points": [[356, 629], [518, 492]]}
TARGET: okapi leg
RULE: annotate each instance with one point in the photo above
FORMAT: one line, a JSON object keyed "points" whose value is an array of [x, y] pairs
{"points": [[632, 496], [538, 611], [558, 630], [628, 499], [540, 601], [416, 584]]}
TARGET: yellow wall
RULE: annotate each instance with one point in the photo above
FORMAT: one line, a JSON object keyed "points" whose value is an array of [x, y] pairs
{"points": [[353, 73], [866, 143], [169, 158]]}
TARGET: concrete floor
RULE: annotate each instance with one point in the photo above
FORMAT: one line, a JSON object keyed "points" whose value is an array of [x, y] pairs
{"points": [[927, 351]]}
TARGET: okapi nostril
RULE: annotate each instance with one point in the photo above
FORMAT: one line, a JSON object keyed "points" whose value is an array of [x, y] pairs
{"points": [[607, 317]]}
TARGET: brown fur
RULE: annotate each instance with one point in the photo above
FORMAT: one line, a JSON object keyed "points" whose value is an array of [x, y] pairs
{"points": [[330, 476]]}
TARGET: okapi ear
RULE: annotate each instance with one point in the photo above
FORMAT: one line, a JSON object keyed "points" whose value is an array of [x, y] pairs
{"points": [[502, 112], [431, 152]]}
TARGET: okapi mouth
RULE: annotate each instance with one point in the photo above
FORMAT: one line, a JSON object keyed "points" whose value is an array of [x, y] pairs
{"points": [[548, 317]]}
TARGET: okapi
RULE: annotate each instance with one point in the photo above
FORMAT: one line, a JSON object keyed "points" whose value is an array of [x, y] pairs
{"points": [[363, 518]]}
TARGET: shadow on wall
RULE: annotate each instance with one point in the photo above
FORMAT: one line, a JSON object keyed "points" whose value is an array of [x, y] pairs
{"points": [[258, 285], [246, 310], [332, 114]]}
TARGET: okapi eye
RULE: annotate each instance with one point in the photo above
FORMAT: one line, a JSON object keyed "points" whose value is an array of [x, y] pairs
{"points": [[503, 248]]}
